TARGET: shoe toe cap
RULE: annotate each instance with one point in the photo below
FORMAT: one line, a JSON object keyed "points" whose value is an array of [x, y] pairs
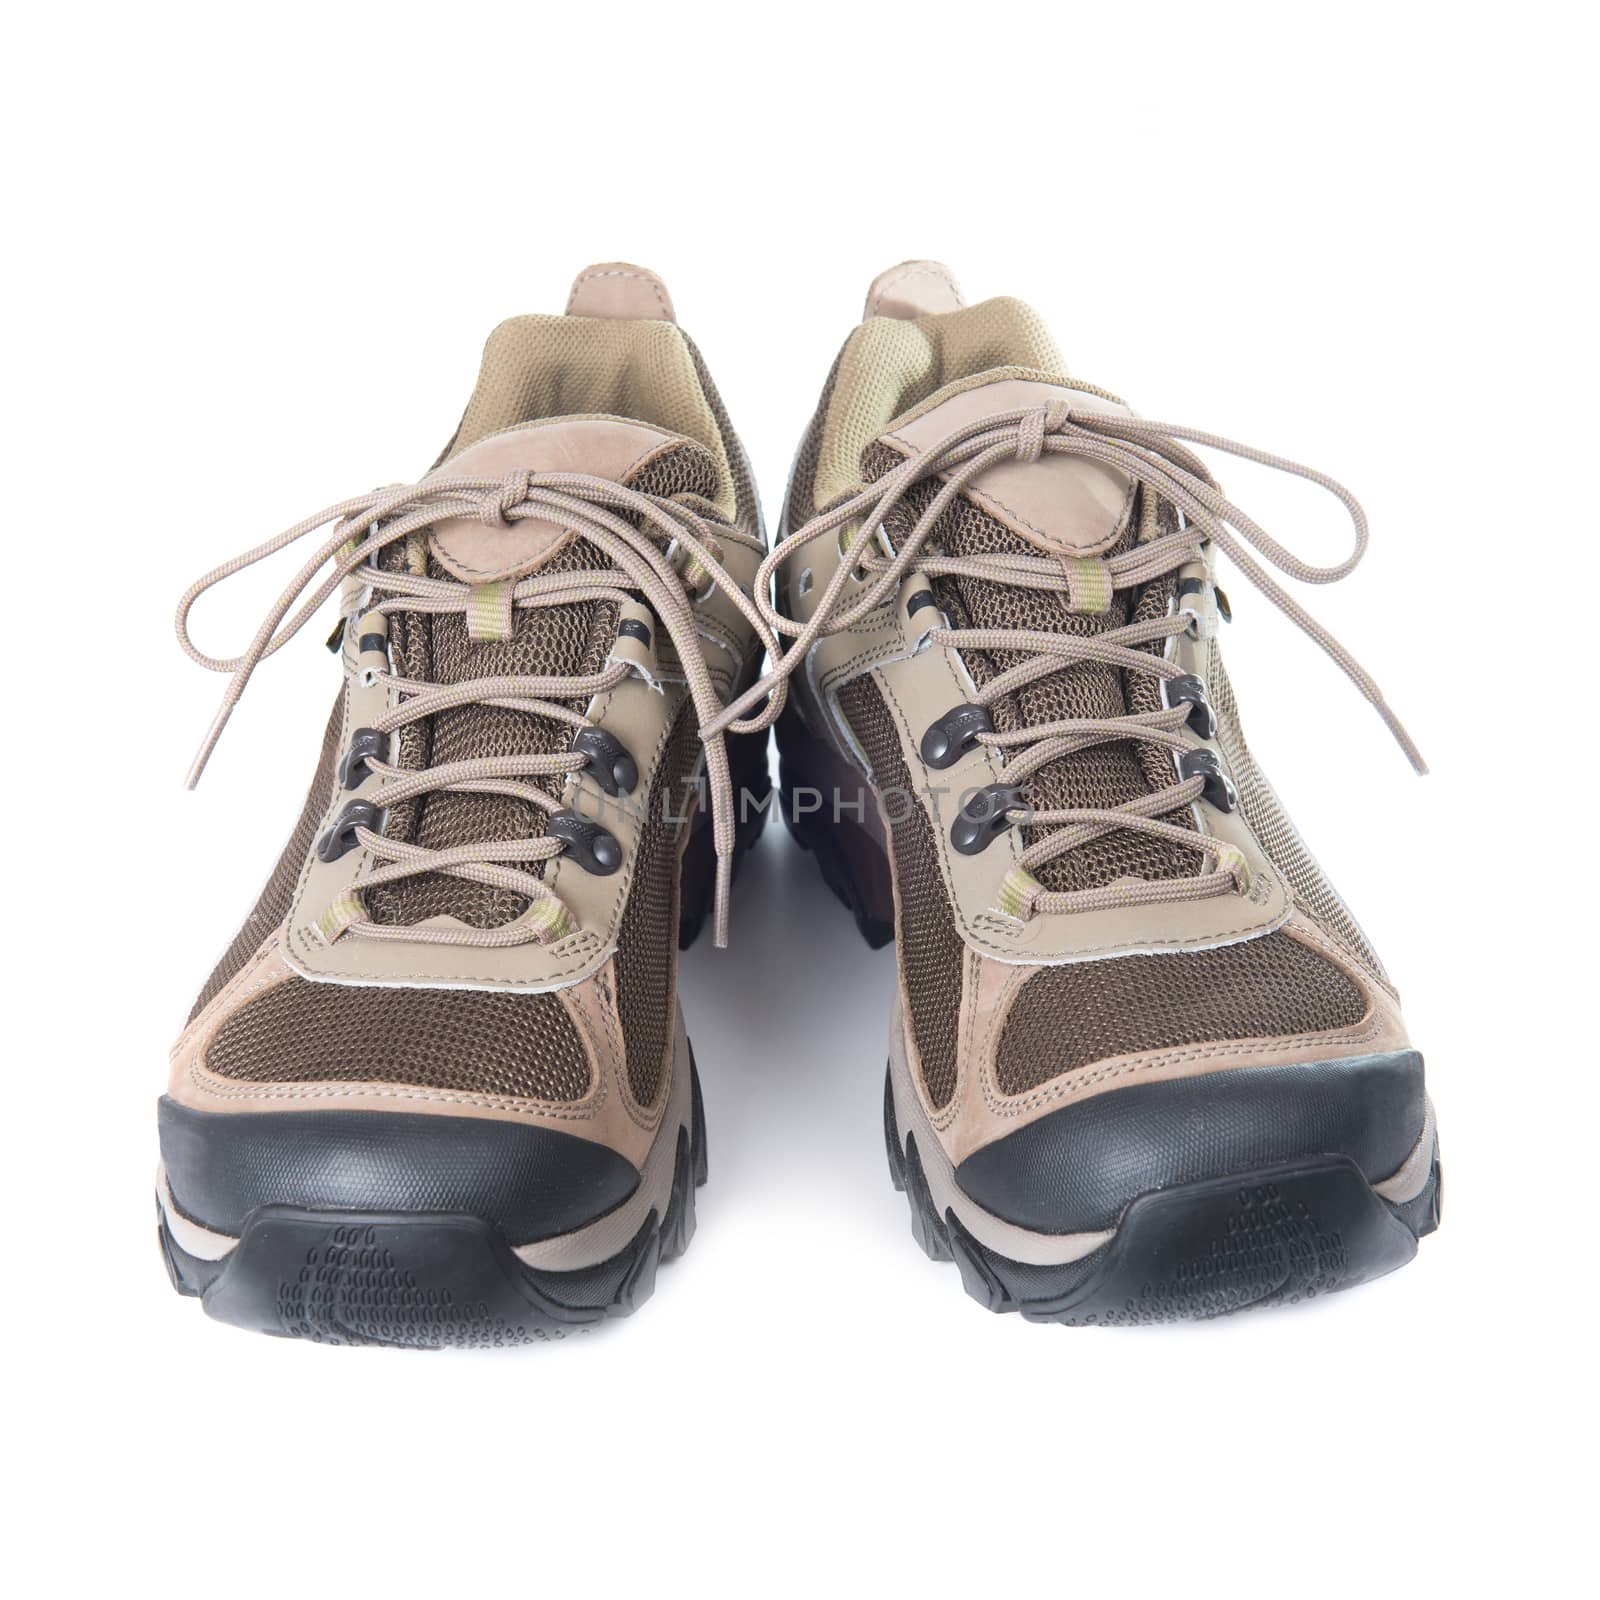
{"points": [[1078, 1168], [532, 1182]]}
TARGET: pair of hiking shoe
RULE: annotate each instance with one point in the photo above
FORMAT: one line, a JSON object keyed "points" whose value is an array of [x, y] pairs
{"points": [[1143, 1063]]}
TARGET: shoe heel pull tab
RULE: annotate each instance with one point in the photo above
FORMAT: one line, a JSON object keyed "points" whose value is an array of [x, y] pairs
{"points": [[620, 290], [913, 289]]}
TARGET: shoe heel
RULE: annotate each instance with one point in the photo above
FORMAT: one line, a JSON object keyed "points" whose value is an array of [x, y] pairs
{"points": [[831, 812], [752, 790]]}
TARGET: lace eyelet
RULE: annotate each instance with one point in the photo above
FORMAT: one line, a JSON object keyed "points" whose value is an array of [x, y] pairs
{"points": [[985, 817], [341, 838], [954, 734], [1219, 790], [607, 761], [592, 847], [1187, 689], [366, 744]]}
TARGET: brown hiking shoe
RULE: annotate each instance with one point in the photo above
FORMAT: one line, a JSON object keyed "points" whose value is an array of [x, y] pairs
{"points": [[1144, 1064], [438, 1090]]}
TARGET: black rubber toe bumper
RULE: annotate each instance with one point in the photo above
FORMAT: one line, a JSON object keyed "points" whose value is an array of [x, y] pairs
{"points": [[528, 1183], [1078, 1169], [381, 1228]]}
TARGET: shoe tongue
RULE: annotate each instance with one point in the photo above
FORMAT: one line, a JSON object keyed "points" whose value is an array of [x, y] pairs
{"points": [[1064, 505], [603, 447], [566, 640], [1071, 507]]}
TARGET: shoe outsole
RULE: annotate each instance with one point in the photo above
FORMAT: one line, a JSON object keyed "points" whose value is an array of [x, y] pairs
{"points": [[426, 1280]]}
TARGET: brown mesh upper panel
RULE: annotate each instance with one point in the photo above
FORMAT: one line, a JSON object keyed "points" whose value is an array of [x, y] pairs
{"points": [[928, 945], [1070, 1016], [647, 942], [1103, 776], [1276, 833], [470, 1041], [270, 910]]}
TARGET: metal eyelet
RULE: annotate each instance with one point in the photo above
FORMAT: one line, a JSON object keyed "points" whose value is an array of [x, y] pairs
{"points": [[985, 817], [366, 744], [1219, 790], [607, 761], [954, 734], [1187, 689], [590, 845], [341, 838]]}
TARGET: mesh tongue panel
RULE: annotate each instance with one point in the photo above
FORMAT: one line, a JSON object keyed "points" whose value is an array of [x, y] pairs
{"points": [[1103, 776], [569, 640]]}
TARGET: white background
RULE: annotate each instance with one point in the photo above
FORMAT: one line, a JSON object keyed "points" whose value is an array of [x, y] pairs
{"points": [[254, 251]]}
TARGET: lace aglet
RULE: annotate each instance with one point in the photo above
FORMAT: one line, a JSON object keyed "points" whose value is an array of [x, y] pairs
{"points": [[1403, 739], [723, 893], [208, 744]]}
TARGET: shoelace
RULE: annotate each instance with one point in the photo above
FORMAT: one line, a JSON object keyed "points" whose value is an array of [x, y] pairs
{"points": [[643, 558], [1153, 453]]}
